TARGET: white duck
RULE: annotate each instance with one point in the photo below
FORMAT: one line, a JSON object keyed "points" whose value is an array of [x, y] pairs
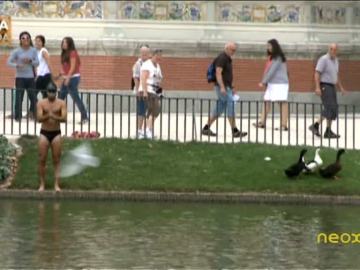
{"points": [[313, 165]]}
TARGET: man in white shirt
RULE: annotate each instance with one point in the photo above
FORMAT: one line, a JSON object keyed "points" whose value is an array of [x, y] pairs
{"points": [[150, 84], [140, 102]]}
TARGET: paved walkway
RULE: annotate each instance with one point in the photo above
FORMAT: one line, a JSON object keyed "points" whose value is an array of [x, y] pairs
{"points": [[186, 128]]}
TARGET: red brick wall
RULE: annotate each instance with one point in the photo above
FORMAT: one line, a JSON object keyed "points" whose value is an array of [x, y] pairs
{"points": [[114, 72]]}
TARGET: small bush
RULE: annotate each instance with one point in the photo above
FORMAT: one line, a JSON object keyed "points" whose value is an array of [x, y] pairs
{"points": [[7, 150]]}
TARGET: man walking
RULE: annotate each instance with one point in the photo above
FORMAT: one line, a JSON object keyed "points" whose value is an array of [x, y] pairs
{"points": [[224, 91], [140, 101], [326, 79]]}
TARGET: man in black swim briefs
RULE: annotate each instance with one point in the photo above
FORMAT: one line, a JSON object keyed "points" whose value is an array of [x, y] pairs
{"points": [[51, 111]]}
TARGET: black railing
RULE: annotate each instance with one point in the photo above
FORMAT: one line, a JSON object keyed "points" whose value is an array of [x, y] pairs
{"points": [[182, 119]]}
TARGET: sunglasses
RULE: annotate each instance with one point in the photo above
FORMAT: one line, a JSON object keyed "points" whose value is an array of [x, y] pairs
{"points": [[25, 38]]}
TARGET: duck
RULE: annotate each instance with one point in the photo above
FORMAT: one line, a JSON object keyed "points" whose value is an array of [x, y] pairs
{"points": [[331, 170], [314, 164], [295, 169]]}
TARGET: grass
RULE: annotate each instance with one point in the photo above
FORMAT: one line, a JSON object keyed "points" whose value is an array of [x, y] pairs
{"points": [[166, 166]]}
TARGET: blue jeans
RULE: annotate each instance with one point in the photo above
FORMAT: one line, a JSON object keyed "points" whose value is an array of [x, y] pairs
{"points": [[141, 106], [72, 89], [21, 84], [224, 102]]}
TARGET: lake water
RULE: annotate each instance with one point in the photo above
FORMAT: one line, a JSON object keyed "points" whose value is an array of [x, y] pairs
{"points": [[98, 234]]}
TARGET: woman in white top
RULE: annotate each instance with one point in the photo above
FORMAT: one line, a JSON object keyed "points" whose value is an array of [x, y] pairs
{"points": [[43, 71], [150, 84]]}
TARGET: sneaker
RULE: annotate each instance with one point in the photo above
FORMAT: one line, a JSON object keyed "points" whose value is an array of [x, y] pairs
{"points": [[148, 134], [30, 115], [315, 129], [238, 134], [207, 132], [84, 121], [330, 135], [140, 134], [282, 128]]}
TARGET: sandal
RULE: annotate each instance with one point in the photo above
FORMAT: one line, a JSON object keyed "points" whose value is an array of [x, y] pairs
{"points": [[259, 125], [282, 128]]}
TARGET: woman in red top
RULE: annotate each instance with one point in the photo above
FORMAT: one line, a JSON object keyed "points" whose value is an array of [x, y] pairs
{"points": [[70, 71]]}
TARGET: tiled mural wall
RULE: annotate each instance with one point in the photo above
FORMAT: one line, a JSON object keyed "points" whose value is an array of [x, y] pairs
{"points": [[52, 9], [295, 12]]}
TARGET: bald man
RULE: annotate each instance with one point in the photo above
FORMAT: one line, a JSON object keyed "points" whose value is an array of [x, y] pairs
{"points": [[140, 102], [326, 80], [224, 91]]}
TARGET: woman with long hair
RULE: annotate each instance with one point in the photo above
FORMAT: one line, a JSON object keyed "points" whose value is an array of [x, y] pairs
{"points": [[24, 59], [276, 81], [70, 72]]}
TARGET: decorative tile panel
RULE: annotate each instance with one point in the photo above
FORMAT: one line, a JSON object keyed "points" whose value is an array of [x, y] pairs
{"points": [[253, 12], [163, 10], [5, 30], [52, 9], [273, 12], [356, 19], [329, 14]]}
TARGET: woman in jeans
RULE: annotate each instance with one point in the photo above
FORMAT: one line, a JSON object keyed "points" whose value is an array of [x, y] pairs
{"points": [[44, 69], [25, 60], [70, 72]]}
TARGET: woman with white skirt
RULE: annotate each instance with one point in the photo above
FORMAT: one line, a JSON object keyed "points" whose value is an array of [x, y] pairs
{"points": [[276, 81]]}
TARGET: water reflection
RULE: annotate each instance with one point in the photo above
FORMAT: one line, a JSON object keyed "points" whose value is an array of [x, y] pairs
{"points": [[48, 251], [47, 234]]}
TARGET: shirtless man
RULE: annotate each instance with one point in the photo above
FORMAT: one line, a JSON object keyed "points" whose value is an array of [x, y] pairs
{"points": [[50, 112]]}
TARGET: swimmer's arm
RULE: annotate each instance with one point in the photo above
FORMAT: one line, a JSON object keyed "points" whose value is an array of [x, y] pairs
{"points": [[41, 117], [63, 114]]}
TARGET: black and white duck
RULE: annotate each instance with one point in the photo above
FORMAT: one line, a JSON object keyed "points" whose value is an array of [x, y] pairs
{"points": [[314, 164], [295, 169], [331, 170]]}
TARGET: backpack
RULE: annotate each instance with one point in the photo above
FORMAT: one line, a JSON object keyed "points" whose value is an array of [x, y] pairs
{"points": [[211, 73]]}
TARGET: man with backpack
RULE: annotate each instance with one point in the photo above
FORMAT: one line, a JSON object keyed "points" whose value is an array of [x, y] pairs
{"points": [[221, 73]]}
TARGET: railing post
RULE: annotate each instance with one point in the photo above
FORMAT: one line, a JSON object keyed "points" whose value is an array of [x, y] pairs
{"points": [[112, 115], [185, 110], [104, 115]]}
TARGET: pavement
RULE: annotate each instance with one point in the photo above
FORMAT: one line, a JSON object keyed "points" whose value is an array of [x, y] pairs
{"points": [[187, 127]]}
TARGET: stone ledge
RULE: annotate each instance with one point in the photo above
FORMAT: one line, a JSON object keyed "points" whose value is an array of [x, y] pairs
{"points": [[189, 39], [201, 49], [208, 197]]}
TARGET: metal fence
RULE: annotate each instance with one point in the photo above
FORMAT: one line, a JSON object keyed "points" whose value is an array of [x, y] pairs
{"points": [[182, 120]]}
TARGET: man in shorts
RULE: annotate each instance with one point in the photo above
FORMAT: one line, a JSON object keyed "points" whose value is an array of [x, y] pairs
{"points": [[224, 91], [326, 80], [140, 102], [150, 86], [51, 111]]}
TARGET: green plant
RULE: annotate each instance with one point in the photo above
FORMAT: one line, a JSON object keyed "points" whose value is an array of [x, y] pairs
{"points": [[7, 150]]}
